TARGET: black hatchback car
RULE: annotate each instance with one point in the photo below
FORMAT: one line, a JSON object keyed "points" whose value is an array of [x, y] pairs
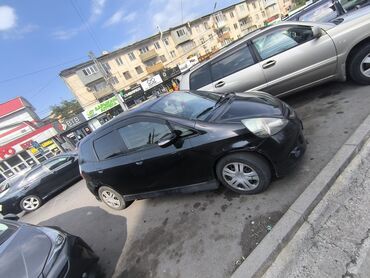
{"points": [[191, 141], [35, 251], [28, 191]]}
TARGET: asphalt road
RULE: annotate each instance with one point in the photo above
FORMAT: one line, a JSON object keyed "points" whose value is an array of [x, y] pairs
{"points": [[207, 234]]}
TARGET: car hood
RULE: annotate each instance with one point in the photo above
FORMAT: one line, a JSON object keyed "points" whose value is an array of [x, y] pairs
{"points": [[24, 254], [252, 105]]}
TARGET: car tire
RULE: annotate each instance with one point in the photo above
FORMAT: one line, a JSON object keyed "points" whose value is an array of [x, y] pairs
{"points": [[244, 173], [112, 198], [360, 62], [30, 203]]}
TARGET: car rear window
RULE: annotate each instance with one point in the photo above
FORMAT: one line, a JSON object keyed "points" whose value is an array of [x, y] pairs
{"points": [[108, 145], [200, 78]]}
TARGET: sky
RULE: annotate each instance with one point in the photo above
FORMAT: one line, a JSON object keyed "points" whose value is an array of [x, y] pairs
{"points": [[40, 38]]}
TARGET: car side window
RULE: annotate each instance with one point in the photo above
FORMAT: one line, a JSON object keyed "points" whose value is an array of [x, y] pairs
{"points": [[200, 77], [281, 39], [55, 163], [108, 145], [231, 62], [143, 134], [35, 174], [185, 132]]}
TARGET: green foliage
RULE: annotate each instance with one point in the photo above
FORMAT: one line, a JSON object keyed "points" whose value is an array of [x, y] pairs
{"points": [[66, 109]]}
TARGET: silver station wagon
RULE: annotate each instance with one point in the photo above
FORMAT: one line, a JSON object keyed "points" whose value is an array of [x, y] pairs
{"points": [[289, 57]]}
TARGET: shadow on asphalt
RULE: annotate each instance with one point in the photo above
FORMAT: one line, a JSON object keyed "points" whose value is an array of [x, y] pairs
{"points": [[106, 240]]}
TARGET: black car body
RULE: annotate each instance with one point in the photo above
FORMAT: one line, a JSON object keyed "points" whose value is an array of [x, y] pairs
{"points": [[38, 184], [327, 10], [34, 251], [186, 135]]}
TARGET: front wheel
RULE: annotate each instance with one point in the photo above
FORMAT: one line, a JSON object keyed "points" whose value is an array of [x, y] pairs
{"points": [[112, 198], [30, 203], [359, 66], [244, 173]]}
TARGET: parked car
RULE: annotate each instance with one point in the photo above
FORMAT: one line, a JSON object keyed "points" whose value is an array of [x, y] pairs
{"points": [[28, 191], [35, 251], [326, 10], [289, 57], [190, 141]]}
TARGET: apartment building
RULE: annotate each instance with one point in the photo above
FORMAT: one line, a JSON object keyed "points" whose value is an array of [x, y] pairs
{"points": [[144, 63]]}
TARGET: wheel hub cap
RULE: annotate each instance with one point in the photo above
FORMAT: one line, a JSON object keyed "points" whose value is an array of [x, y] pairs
{"points": [[31, 203], [111, 199], [240, 176], [365, 66]]}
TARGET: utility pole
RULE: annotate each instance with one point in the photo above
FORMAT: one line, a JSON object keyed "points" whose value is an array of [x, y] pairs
{"points": [[107, 79], [165, 46]]}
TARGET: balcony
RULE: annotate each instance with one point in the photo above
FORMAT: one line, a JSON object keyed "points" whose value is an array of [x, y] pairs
{"points": [[148, 55], [154, 68], [101, 92], [269, 3], [87, 79], [219, 21], [180, 35], [225, 36]]}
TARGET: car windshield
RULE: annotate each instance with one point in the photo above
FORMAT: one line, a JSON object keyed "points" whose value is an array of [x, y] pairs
{"points": [[6, 231], [186, 105], [351, 4], [322, 13]]}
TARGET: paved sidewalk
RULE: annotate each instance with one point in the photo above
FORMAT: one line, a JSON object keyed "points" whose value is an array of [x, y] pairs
{"points": [[335, 239]]}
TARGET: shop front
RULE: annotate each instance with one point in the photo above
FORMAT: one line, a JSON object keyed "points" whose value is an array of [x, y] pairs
{"points": [[74, 129], [134, 96]]}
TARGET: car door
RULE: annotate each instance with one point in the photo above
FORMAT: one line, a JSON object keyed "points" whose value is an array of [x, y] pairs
{"points": [[237, 70], [292, 58]]}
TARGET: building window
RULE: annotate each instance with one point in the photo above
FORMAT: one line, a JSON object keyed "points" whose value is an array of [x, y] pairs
{"points": [[99, 86], [263, 14], [119, 61], [114, 80], [210, 36], [131, 55], [231, 14], [257, 17], [157, 45], [243, 22], [180, 32], [197, 28], [106, 67], [163, 58], [186, 47], [166, 42], [206, 26], [202, 40], [235, 26], [139, 70], [90, 70], [127, 75], [173, 54], [144, 49], [254, 5], [242, 8]]}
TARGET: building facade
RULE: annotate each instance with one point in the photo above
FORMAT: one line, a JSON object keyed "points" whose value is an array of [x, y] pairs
{"points": [[130, 66], [24, 139]]}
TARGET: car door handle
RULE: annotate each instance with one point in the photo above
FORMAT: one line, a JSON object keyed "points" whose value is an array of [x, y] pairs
{"points": [[269, 64], [138, 163], [100, 172], [219, 84]]}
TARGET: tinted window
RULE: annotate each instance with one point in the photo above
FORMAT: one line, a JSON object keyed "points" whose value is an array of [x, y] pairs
{"points": [[322, 13], [142, 134], [108, 145], [55, 163], [184, 105], [184, 130], [199, 78], [35, 174], [282, 39], [240, 58]]}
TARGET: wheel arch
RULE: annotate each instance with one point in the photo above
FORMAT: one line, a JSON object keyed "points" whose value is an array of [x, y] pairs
{"points": [[353, 51]]}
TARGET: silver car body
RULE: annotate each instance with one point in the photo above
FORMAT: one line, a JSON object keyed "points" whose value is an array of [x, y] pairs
{"points": [[308, 64]]}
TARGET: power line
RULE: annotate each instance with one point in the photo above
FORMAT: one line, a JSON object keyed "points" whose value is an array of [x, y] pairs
{"points": [[40, 70]]}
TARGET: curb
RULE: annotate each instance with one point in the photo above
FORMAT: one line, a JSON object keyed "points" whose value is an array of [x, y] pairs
{"points": [[266, 252]]}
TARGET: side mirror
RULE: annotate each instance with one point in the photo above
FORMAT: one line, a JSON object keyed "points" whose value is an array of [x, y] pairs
{"points": [[11, 216], [316, 32], [167, 140]]}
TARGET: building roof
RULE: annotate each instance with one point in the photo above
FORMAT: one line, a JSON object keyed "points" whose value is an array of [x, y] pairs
{"points": [[71, 70], [13, 105]]}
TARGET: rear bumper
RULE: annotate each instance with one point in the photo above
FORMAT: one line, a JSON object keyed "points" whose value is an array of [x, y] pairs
{"points": [[285, 148], [9, 206]]}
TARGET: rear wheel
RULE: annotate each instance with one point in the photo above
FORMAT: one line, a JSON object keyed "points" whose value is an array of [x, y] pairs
{"points": [[359, 65], [112, 198], [30, 203], [244, 173]]}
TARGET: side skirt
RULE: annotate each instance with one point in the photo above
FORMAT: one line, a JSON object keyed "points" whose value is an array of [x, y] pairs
{"points": [[203, 186]]}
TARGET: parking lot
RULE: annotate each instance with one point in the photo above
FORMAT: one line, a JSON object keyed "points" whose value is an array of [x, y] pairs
{"points": [[206, 234]]}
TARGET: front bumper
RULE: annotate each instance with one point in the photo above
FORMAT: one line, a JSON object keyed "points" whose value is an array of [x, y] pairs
{"points": [[285, 148]]}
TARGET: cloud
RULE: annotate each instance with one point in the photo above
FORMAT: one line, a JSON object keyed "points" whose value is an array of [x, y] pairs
{"points": [[8, 18], [120, 17], [97, 8], [19, 33]]}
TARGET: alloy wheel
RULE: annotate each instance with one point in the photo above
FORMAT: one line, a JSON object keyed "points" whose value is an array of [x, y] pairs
{"points": [[365, 66], [31, 203], [110, 199], [240, 176]]}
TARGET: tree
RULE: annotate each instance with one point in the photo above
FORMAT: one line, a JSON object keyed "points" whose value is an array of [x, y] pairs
{"points": [[66, 109]]}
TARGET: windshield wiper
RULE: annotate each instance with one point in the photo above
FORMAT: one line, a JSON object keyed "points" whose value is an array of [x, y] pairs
{"points": [[223, 97], [114, 154], [205, 111]]}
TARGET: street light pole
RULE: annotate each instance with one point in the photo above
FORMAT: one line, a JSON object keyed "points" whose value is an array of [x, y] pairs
{"points": [[107, 79], [165, 46]]}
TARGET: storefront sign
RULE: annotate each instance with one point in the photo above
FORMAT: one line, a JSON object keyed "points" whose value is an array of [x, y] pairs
{"points": [[170, 73], [72, 122], [100, 108], [131, 91], [46, 143], [6, 151], [151, 82]]}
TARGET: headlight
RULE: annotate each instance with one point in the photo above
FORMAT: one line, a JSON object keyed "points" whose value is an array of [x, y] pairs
{"points": [[264, 127]]}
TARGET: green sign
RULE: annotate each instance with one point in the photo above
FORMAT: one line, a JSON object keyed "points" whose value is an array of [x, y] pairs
{"points": [[100, 108]]}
